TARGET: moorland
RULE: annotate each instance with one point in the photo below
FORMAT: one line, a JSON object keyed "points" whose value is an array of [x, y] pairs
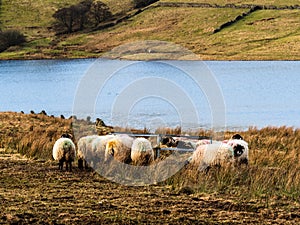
{"points": [[33, 190]]}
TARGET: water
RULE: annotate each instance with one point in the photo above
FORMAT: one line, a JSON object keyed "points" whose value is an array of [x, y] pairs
{"points": [[153, 94]]}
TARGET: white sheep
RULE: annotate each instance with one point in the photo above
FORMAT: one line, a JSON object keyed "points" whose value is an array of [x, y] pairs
{"points": [[64, 151], [84, 150], [119, 148], [217, 154], [99, 146], [142, 153]]}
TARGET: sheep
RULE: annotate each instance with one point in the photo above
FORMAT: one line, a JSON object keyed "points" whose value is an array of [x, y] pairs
{"points": [[84, 147], [99, 145], [217, 154], [208, 154], [240, 150], [64, 151], [169, 142], [183, 142], [142, 153], [119, 147]]}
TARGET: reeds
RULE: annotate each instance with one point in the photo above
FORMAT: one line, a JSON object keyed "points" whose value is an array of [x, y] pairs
{"points": [[32, 134], [274, 155], [273, 170]]}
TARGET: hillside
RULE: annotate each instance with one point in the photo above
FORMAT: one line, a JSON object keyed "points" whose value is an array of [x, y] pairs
{"points": [[217, 30]]}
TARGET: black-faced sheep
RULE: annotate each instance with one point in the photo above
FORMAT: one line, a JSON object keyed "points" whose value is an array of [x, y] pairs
{"points": [[234, 150], [64, 151], [182, 142], [142, 153], [209, 155], [240, 150]]}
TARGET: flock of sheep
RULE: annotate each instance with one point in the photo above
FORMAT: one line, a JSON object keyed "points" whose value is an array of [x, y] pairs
{"points": [[138, 151]]}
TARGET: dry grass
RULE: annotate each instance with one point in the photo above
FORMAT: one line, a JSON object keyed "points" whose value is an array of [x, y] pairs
{"points": [[273, 172], [32, 135]]}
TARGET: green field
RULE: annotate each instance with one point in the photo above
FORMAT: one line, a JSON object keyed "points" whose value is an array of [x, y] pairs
{"points": [[261, 35]]}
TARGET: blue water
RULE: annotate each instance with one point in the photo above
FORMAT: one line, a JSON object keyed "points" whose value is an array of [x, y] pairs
{"points": [[154, 94]]}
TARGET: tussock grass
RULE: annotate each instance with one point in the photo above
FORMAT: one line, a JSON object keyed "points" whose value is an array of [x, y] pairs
{"points": [[273, 171], [274, 155], [32, 135]]}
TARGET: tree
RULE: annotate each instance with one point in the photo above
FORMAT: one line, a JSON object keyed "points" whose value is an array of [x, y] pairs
{"points": [[73, 17], [79, 16], [65, 17], [100, 12]]}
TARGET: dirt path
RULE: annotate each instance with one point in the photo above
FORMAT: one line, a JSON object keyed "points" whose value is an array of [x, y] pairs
{"points": [[36, 192]]}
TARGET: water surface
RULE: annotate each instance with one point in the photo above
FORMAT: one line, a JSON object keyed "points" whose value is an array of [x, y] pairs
{"points": [[255, 93]]}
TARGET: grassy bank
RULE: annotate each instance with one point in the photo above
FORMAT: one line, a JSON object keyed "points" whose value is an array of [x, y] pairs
{"points": [[274, 170], [261, 35], [35, 192]]}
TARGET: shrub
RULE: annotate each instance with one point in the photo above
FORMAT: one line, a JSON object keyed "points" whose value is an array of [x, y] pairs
{"points": [[10, 38]]}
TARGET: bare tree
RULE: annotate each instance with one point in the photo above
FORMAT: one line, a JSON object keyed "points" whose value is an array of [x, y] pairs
{"points": [[100, 12], [77, 17], [73, 17]]}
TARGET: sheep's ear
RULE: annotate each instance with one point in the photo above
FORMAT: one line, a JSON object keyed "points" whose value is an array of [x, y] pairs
{"points": [[237, 137]]}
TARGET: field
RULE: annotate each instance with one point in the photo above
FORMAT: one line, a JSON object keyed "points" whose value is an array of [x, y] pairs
{"points": [[32, 190], [260, 35]]}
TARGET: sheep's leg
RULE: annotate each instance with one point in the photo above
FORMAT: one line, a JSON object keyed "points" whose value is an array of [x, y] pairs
{"points": [[70, 166], [60, 164], [80, 164], [67, 165]]}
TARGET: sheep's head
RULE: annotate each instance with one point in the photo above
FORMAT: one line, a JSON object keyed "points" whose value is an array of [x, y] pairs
{"points": [[169, 141], [240, 150]]}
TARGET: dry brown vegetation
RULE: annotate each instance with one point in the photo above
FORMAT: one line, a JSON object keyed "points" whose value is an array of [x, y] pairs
{"points": [[33, 190]]}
